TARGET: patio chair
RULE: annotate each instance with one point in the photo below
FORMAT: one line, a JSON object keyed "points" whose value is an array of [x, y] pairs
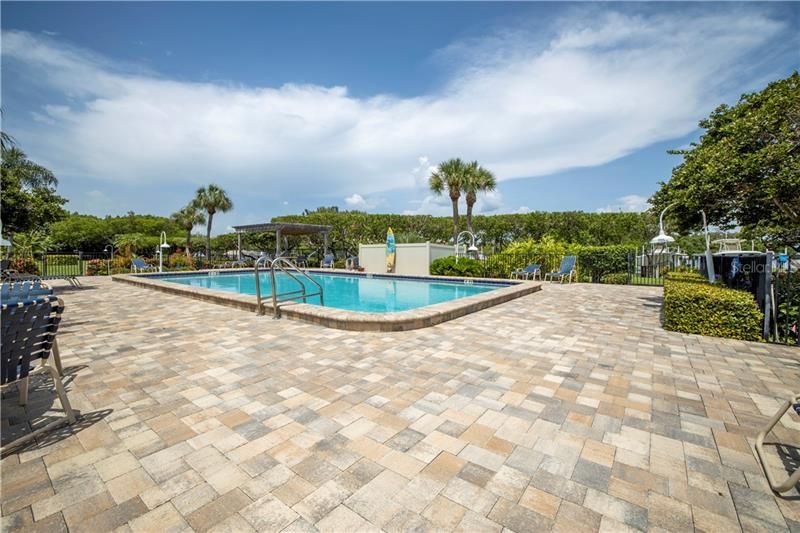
{"points": [[790, 482], [14, 291], [351, 263], [327, 261], [301, 260], [532, 270], [138, 265], [566, 270], [28, 334]]}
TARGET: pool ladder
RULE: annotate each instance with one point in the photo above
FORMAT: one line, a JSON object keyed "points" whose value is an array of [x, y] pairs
{"points": [[286, 266]]}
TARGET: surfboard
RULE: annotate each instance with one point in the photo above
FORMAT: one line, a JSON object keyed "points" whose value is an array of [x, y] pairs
{"points": [[391, 251]]}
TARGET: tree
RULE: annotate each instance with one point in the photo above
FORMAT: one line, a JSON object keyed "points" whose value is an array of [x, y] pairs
{"points": [[187, 218], [128, 242], [212, 199], [449, 176], [746, 168], [476, 179], [29, 199], [30, 243]]}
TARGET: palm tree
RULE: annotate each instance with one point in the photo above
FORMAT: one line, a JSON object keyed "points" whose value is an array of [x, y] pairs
{"points": [[128, 242], [30, 174], [477, 179], [212, 199], [449, 176], [187, 218]]}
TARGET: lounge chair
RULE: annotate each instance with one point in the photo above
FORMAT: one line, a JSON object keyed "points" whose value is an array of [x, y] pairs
{"points": [[16, 291], [566, 270], [28, 334], [530, 271], [789, 483], [351, 263], [327, 261], [138, 265], [301, 260]]}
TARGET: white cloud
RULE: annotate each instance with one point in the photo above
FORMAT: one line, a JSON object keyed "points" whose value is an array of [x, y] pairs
{"points": [[632, 203], [356, 201], [602, 87]]}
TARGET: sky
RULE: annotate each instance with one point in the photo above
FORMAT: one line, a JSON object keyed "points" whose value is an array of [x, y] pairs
{"points": [[290, 106]]}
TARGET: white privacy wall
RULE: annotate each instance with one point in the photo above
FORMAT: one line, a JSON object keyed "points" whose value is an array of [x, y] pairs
{"points": [[413, 259]]}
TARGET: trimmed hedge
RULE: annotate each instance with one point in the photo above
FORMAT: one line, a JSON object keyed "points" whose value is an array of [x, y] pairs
{"points": [[615, 278], [687, 277], [465, 267], [694, 306]]}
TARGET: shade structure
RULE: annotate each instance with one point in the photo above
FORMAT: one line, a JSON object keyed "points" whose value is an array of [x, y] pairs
{"points": [[282, 229]]}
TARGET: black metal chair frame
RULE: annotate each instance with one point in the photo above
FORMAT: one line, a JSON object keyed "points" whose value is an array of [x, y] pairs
{"points": [[28, 334]]}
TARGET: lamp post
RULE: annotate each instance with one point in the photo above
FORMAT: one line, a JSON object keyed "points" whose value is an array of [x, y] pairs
{"points": [[109, 249], [709, 256], [161, 247], [471, 249]]}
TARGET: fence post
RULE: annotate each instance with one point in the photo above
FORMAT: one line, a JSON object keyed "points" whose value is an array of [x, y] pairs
{"points": [[629, 268]]}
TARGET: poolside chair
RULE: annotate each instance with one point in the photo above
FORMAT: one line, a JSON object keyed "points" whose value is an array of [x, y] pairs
{"points": [[789, 483], [301, 260], [532, 270], [351, 263], [138, 265], [327, 261], [566, 270], [14, 291], [28, 334]]}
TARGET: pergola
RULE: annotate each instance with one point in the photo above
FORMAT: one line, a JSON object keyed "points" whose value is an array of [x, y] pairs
{"points": [[281, 229]]}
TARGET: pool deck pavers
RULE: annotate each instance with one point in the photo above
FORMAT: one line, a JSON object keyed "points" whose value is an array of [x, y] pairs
{"points": [[570, 409]]}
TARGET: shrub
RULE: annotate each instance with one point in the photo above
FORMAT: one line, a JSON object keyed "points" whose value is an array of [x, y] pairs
{"points": [[465, 267], [705, 309], [690, 276], [615, 278], [97, 267], [62, 259], [25, 265], [179, 260]]}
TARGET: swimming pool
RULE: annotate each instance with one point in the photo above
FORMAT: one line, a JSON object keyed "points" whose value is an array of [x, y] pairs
{"points": [[364, 293]]}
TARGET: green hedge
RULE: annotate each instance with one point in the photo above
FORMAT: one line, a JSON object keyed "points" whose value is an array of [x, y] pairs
{"points": [[687, 277], [696, 307], [465, 267], [615, 278]]}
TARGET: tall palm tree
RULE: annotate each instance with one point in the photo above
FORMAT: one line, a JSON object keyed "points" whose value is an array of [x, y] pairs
{"points": [[212, 199], [449, 176], [187, 218], [30, 174], [477, 179]]}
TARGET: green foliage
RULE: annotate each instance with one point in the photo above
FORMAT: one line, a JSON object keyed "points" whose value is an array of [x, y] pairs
{"points": [[90, 233], [705, 309], [25, 265], [787, 293], [450, 177], [29, 243], [691, 276], [29, 200], [593, 262], [746, 168], [476, 179], [97, 267], [179, 260], [465, 267], [495, 232], [211, 199], [615, 278]]}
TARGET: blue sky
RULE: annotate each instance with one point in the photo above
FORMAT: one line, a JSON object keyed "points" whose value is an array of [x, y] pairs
{"points": [[295, 105]]}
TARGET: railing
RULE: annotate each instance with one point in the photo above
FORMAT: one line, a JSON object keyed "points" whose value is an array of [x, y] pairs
{"points": [[280, 263]]}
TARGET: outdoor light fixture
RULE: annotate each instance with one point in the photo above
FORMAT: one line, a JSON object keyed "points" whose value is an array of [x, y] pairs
{"points": [[471, 249], [662, 239], [161, 247]]}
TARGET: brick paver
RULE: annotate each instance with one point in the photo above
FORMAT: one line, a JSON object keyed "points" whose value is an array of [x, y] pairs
{"points": [[569, 409]]}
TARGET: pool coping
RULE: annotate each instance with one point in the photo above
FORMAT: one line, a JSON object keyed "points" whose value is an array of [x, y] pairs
{"points": [[341, 318]]}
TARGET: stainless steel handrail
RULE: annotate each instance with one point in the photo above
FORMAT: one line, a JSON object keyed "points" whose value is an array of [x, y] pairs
{"points": [[259, 311], [281, 263]]}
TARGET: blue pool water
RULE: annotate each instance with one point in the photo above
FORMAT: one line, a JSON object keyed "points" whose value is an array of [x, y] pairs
{"points": [[352, 292]]}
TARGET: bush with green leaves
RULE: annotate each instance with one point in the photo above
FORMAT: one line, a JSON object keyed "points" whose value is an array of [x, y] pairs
{"points": [[465, 267], [615, 278], [691, 276], [704, 309]]}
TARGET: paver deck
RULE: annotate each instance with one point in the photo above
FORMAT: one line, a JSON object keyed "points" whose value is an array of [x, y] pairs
{"points": [[568, 410]]}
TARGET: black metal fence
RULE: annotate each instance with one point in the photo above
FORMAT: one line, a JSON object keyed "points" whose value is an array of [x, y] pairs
{"points": [[785, 319], [613, 267]]}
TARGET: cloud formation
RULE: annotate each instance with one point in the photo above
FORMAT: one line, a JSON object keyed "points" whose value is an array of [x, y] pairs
{"points": [[600, 88], [632, 203]]}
